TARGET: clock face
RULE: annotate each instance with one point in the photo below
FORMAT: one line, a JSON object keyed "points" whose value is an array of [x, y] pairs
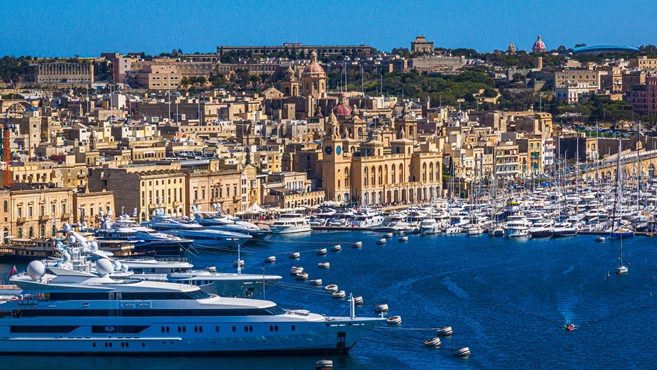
{"points": [[338, 150], [328, 150]]}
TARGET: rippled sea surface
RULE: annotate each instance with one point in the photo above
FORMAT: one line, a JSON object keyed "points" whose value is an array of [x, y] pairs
{"points": [[507, 300]]}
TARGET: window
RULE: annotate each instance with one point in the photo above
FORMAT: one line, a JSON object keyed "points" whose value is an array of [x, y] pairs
{"points": [[6, 206]]}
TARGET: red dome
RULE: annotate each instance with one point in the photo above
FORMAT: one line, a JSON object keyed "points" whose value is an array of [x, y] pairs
{"points": [[539, 46], [342, 110], [313, 68]]}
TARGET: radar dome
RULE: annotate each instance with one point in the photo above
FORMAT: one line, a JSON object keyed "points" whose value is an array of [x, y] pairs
{"points": [[124, 268], [117, 266], [94, 246], [36, 270], [104, 266]]}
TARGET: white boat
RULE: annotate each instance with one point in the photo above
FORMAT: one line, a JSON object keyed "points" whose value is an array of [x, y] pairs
{"points": [[517, 226], [339, 294], [202, 237], [224, 222], [381, 241], [474, 230], [541, 229], [433, 342], [324, 265], [453, 230], [336, 248], [78, 313], [402, 239], [321, 252], [332, 288], [429, 226], [290, 223], [621, 269], [563, 230]]}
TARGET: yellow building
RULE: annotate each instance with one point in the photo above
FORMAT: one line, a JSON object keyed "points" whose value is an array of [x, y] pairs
{"points": [[37, 212], [379, 174], [88, 206]]}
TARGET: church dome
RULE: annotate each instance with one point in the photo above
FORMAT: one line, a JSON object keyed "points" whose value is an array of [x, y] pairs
{"points": [[539, 46], [313, 68], [342, 109]]}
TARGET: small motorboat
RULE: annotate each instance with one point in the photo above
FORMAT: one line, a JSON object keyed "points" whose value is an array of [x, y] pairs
{"points": [[357, 245], [394, 320], [294, 255], [403, 239], [336, 248], [324, 365], [302, 276], [241, 263], [570, 327], [381, 308], [339, 294], [622, 270], [316, 282], [381, 241], [388, 235], [324, 265], [322, 252], [462, 352], [600, 239], [331, 288], [270, 259], [496, 232], [433, 342], [445, 331], [358, 301], [295, 270]]}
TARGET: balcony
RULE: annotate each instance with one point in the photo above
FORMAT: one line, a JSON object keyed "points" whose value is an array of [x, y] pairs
{"points": [[44, 218], [21, 220], [66, 216]]}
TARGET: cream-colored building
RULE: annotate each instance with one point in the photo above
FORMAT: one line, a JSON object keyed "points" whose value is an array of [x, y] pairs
{"points": [[159, 77], [140, 189], [37, 212], [88, 206]]}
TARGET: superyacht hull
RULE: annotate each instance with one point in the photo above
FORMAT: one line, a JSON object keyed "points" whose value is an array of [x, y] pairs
{"points": [[180, 336]]}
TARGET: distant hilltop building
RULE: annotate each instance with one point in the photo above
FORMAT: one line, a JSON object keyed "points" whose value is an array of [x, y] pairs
{"points": [[78, 73], [539, 46], [421, 45], [511, 49], [296, 48]]}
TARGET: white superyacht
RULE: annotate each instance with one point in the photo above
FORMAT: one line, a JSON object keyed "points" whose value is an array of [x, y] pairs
{"points": [[82, 313]]}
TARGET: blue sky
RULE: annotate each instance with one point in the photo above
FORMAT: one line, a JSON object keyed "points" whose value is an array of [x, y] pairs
{"points": [[87, 28]]}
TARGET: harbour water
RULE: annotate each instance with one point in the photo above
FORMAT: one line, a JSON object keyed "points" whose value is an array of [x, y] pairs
{"points": [[508, 300]]}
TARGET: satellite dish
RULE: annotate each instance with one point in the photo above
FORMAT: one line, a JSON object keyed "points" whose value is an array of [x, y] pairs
{"points": [[94, 246], [117, 266], [36, 270], [104, 267]]}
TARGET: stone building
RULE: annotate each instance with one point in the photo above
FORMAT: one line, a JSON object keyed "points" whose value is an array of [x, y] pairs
{"points": [[141, 189], [87, 207], [421, 45], [37, 212], [61, 73]]}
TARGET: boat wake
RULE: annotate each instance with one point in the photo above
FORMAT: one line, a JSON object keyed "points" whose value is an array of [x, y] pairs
{"points": [[455, 289]]}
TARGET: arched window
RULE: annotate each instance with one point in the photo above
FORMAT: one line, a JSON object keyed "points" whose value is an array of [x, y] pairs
{"points": [[43, 231], [31, 232], [20, 233]]}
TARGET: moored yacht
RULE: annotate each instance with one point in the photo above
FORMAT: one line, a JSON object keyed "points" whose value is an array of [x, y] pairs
{"points": [[290, 223], [223, 222], [517, 226], [429, 226], [209, 280], [91, 314], [185, 228], [541, 229]]}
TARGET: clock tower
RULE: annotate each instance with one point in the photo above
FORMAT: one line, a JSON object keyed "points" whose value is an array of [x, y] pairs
{"points": [[336, 162]]}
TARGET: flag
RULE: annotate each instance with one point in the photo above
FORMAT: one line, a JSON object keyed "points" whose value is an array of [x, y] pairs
{"points": [[13, 271]]}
